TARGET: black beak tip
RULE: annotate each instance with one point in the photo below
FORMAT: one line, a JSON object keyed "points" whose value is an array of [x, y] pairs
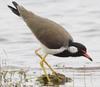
{"points": [[9, 6], [15, 3], [90, 59]]}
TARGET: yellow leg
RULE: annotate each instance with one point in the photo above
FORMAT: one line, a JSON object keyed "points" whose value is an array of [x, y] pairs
{"points": [[45, 61], [42, 66], [53, 71]]}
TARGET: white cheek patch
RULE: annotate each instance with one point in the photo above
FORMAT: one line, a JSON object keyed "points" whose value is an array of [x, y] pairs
{"points": [[72, 49]]}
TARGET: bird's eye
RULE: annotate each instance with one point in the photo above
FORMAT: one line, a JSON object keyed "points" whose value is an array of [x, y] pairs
{"points": [[73, 49]]}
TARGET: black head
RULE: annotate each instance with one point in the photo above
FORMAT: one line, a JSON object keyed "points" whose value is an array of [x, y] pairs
{"points": [[77, 49]]}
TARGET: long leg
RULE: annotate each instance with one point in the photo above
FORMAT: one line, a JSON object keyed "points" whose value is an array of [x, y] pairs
{"points": [[42, 66], [53, 71], [44, 60]]}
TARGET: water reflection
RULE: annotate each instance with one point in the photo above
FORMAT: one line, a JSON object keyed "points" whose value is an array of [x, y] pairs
{"points": [[3, 40]]}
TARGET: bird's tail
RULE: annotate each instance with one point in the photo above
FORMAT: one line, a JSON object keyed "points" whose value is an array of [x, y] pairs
{"points": [[15, 8]]}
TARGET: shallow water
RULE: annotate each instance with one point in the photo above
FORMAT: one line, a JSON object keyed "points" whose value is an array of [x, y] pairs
{"points": [[80, 17]]}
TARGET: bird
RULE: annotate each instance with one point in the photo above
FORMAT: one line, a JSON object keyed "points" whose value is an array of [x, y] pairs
{"points": [[54, 38]]}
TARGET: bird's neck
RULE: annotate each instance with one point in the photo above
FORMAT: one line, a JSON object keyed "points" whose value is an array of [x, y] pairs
{"points": [[72, 43], [66, 53]]}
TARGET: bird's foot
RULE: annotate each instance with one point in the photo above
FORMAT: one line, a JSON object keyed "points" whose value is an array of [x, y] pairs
{"points": [[57, 75]]}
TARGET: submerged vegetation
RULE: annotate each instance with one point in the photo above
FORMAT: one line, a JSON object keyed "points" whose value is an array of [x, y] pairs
{"points": [[54, 80], [13, 77], [21, 78], [32, 77]]}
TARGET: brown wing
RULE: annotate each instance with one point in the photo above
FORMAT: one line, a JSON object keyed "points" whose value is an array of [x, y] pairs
{"points": [[49, 33], [52, 35]]}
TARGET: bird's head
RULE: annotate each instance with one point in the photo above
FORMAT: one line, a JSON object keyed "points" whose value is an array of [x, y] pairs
{"points": [[78, 49]]}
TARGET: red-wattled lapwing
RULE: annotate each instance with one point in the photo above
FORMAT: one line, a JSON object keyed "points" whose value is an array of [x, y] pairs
{"points": [[55, 40]]}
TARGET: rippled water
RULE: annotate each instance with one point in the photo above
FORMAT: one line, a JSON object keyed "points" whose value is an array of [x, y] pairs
{"points": [[80, 17]]}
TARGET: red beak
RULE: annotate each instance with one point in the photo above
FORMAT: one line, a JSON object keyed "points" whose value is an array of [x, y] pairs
{"points": [[86, 55]]}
